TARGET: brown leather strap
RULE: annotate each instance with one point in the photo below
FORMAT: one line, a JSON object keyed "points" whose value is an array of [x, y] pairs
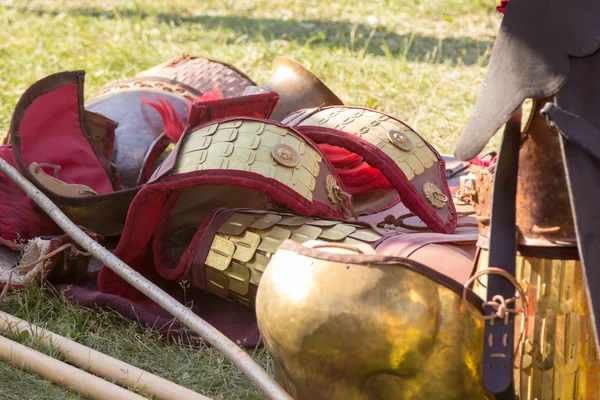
{"points": [[574, 129], [498, 351]]}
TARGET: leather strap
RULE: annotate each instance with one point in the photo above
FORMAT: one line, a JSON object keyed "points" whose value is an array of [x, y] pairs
{"points": [[499, 333], [574, 129]]}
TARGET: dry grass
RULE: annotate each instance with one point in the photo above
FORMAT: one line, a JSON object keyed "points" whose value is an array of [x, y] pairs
{"points": [[421, 60]]}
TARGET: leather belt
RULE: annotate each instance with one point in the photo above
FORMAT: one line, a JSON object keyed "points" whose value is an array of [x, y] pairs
{"points": [[498, 351]]}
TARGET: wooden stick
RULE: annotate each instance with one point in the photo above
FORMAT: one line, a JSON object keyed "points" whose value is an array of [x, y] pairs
{"points": [[62, 373], [98, 363]]}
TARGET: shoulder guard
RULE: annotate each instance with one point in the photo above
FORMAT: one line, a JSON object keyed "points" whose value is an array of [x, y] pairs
{"points": [[407, 161], [287, 168], [237, 162]]}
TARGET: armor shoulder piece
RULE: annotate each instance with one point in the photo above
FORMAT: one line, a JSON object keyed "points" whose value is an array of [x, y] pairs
{"points": [[411, 165]]}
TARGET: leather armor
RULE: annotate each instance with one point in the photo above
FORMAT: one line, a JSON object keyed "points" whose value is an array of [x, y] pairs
{"points": [[220, 207]]}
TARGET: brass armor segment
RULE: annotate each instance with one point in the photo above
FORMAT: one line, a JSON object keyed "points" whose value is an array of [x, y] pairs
{"points": [[362, 330], [221, 254], [559, 357], [269, 150], [297, 87], [244, 244], [389, 135]]}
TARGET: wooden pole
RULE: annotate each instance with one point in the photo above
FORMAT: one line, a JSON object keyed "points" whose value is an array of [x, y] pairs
{"points": [[98, 363], [62, 373]]}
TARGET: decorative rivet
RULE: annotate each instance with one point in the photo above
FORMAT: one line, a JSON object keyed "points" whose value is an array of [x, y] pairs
{"points": [[285, 155], [434, 195], [400, 140]]}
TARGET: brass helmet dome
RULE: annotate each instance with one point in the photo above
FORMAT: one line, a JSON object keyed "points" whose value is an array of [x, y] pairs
{"points": [[342, 322]]}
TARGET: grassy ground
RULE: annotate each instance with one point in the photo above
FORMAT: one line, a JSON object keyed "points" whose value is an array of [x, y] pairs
{"points": [[421, 60]]}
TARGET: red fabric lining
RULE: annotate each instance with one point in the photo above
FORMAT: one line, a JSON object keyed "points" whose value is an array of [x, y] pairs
{"points": [[256, 105], [154, 154], [20, 217], [359, 177], [51, 132]]}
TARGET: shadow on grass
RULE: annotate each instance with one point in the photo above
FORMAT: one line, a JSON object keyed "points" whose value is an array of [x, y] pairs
{"points": [[373, 40]]}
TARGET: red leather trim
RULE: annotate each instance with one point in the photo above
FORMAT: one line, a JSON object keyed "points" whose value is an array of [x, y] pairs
{"points": [[257, 105], [162, 260], [154, 152]]}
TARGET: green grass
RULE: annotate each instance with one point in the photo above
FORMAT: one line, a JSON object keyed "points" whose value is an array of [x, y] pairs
{"points": [[423, 61]]}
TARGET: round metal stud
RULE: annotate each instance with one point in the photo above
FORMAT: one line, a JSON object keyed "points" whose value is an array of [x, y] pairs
{"points": [[400, 140], [434, 195], [285, 155]]}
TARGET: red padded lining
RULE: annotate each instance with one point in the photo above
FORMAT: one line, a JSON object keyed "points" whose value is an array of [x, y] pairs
{"points": [[256, 105], [359, 177], [162, 258], [51, 132], [20, 217]]}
